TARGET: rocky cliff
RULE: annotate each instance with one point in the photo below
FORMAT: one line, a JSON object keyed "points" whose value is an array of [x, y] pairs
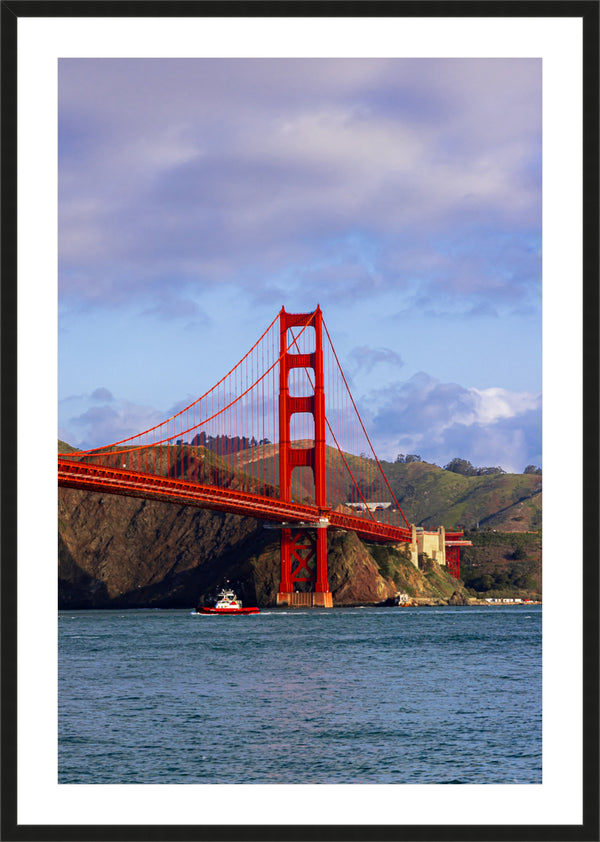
{"points": [[118, 552]]}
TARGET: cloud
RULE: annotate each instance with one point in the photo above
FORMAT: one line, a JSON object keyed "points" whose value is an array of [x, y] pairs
{"points": [[104, 425], [102, 394], [512, 443], [439, 421], [331, 174], [169, 305], [494, 404], [363, 359]]}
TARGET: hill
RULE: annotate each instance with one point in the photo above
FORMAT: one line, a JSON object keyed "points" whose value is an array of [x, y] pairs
{"points": [[503, 564], [431, 496], [123, 552]]}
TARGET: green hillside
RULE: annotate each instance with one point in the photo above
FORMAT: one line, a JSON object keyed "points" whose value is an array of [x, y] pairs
{"points": [[428, 495], [503, 564], [431, 496]]}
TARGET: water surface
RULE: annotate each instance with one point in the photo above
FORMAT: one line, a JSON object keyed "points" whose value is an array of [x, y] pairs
{"points": [[363, 695]]}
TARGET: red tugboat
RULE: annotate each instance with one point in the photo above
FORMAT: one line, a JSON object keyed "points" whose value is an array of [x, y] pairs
{"points": [[227, 603]]}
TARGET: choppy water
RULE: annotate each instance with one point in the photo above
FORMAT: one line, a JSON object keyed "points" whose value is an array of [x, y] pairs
{"points": [[365, 695]]}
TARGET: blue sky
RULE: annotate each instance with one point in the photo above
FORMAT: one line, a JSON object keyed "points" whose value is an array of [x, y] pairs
{"points": [[198, 196]]}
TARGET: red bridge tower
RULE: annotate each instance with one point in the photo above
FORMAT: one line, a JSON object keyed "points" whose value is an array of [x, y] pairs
{"points": [[303, 550]]}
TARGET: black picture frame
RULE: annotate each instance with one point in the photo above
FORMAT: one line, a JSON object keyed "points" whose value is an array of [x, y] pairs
{"points": [[587, 10]]}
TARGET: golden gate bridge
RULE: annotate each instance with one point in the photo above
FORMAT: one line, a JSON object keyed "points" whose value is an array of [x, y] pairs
{"points": [[278, 438]]}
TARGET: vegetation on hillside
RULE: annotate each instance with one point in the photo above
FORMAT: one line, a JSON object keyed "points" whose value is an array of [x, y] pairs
{"points": [[501, 564], [464, 467], [431, 496], [429, 580]]}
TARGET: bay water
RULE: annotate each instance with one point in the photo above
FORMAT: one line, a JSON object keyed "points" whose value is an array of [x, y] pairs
{"points": [[340, 696]]}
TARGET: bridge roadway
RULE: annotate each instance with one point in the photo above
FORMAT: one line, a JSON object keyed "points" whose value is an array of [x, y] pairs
{"points": [[90, 477]]}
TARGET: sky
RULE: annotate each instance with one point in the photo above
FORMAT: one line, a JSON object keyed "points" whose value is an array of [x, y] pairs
{"points": [[199, 196]]}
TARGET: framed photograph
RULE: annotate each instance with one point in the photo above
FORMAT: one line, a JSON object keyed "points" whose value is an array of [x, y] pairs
{"points": [[321, 279]]}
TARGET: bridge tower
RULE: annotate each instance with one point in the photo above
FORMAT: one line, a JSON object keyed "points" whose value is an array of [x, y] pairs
{"points": [[299, 546]]}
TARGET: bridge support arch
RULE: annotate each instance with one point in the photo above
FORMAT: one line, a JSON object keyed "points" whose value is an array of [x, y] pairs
{"points": [[304, 550]]}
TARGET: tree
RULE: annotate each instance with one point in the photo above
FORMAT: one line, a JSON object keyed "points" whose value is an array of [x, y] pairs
{"points": [[502, 581], [460, 466], [532, 469], [482, 583], [408, 458]]}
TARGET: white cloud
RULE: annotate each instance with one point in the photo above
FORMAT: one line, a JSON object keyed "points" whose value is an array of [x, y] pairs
{"points": [[442, 420], [494, 404]]}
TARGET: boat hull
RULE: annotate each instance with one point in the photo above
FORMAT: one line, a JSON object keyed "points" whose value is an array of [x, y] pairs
{"points": [[229, 611]]}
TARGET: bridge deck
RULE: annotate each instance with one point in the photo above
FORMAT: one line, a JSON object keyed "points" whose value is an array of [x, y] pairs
{"points": [[90, 477]]}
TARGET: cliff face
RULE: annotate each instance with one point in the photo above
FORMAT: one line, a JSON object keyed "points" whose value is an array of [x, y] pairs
{"points": [[120, 552]]}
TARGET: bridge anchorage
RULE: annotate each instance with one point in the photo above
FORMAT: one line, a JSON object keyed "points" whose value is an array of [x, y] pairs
{"points": [[261, 443]]}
